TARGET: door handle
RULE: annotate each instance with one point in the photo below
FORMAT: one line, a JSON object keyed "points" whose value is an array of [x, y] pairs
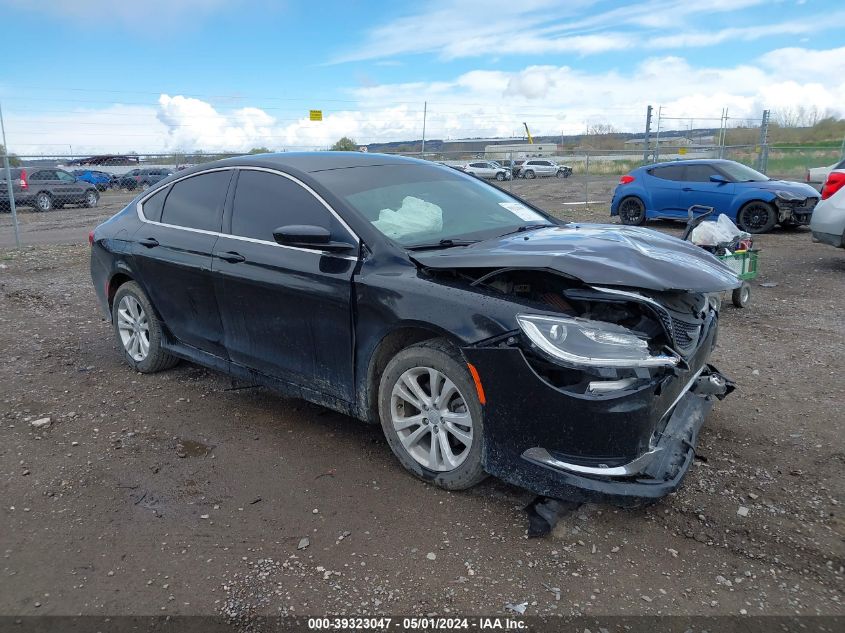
{"points": [[686, 188], [149, 242], [232, 257]]}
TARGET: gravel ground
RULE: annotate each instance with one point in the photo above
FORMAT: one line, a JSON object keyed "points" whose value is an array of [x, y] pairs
{"points": [[181, 493]]}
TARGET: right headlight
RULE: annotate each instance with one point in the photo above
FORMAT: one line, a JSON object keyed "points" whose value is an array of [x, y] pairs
{"points": [[590, 343]]}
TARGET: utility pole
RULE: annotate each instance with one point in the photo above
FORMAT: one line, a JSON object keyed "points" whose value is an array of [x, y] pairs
{"points": [[647, 134], [763, 156], [425, 112], [657, 138], [12, 207], [723, 132]]}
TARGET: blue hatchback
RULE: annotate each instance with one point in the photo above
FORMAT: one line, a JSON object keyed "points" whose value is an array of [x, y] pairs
{"points": [[99, 179], [752, 200]]}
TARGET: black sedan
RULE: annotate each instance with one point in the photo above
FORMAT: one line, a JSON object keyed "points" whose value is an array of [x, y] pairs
{"points": [[485, 336]]}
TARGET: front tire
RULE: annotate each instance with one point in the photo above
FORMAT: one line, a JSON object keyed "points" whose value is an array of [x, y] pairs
{"points": [[529, 174], [632, 211], [757, 217], [431, 415], [138, 331], [500, 176]]}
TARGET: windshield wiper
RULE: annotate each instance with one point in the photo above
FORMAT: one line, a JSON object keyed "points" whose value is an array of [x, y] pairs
{"points": [[441, 244], [527, 227]]}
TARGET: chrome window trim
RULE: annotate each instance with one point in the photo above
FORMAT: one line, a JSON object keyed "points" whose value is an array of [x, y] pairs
{"points": [[352, 234]]}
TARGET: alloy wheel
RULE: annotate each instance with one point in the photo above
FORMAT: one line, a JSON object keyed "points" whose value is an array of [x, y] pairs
{"points": [[134, 328], [756, 217], [632, 211], [431, 419]]}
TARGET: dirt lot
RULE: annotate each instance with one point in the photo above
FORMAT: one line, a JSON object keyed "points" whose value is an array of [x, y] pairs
{"points": [[177, 493]]}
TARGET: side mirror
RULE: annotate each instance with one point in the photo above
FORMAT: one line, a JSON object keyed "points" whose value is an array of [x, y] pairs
{"points": [[309, 236], [719, 179]]}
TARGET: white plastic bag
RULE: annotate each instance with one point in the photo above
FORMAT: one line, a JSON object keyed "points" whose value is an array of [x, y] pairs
{"points": [[722, 231], [414, 216]]}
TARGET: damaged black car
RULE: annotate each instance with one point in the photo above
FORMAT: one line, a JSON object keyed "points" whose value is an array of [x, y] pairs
{"points": [[484, 335]]}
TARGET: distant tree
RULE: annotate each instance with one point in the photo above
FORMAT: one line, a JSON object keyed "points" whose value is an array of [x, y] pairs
{"points": [[14, 161], [800, 116], [602, 136], [259, 150], [345, 144]]}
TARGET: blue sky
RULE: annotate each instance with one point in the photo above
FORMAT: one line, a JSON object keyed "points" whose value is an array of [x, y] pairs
{"points": [[230, 74]]}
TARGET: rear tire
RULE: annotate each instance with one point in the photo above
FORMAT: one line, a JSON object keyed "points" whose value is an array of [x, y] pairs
{"points": [[43, 202], [91, 199], [632, 211], [756, 217], [445, 426], [138, 331], [529, 174]]}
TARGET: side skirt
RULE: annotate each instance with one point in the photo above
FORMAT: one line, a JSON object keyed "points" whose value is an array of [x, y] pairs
{"points": [[283, 388]]}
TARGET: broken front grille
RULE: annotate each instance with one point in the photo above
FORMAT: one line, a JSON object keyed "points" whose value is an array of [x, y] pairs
{"points": [[684, 335]]}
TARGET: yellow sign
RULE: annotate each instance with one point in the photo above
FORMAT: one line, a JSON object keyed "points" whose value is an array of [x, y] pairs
{"points": [[682, 151], [315, 115]]}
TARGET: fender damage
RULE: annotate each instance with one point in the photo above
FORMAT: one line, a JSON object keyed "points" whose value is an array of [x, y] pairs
{"points": [[565, 421]]}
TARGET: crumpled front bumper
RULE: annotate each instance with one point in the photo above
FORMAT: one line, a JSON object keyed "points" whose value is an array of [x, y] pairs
{"points": [[636, 446], [655, 473]]}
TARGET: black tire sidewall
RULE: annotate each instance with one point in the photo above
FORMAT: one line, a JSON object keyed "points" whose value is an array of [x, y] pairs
{"points": [[623, 218], [773, 218], [447, 359], [88, 204], [157, 359]]}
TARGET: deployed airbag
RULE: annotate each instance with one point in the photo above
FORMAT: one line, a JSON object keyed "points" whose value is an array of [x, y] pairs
{"points": [[414, 216]]}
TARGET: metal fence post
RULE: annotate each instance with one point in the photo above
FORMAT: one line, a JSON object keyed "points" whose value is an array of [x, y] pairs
{"points": [[587, 180], [11, 191]]}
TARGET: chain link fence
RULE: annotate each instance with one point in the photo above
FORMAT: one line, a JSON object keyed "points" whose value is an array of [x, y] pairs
{"points": [[574, 176]]}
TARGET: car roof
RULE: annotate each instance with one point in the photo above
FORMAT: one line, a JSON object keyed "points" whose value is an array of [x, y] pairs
{"points": [[309, 162], [690, 161]]}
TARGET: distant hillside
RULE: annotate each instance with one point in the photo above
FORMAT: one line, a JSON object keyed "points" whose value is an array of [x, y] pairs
{"points": [[471, 144]]}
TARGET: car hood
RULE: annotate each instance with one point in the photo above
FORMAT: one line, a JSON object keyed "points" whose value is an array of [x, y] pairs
{"points": [[797, 188], [596, 254]]}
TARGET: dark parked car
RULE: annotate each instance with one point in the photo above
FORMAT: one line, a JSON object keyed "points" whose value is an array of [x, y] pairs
{"points": [[755, 202], [142, 179], [100, 179], [484, 335], [47, 188]]}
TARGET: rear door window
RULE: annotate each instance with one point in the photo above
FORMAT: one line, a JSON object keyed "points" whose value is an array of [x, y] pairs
{"points": [[197, 202], [670, 172], [264, 202]]}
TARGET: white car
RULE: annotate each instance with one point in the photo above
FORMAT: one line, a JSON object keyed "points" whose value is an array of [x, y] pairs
{"points": [[488, 169], [828, 221], [820, 174], [536, 168]]}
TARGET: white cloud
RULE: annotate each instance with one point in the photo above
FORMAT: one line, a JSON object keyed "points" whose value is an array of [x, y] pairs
{"points": [[552, 99], [463, 29]]}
